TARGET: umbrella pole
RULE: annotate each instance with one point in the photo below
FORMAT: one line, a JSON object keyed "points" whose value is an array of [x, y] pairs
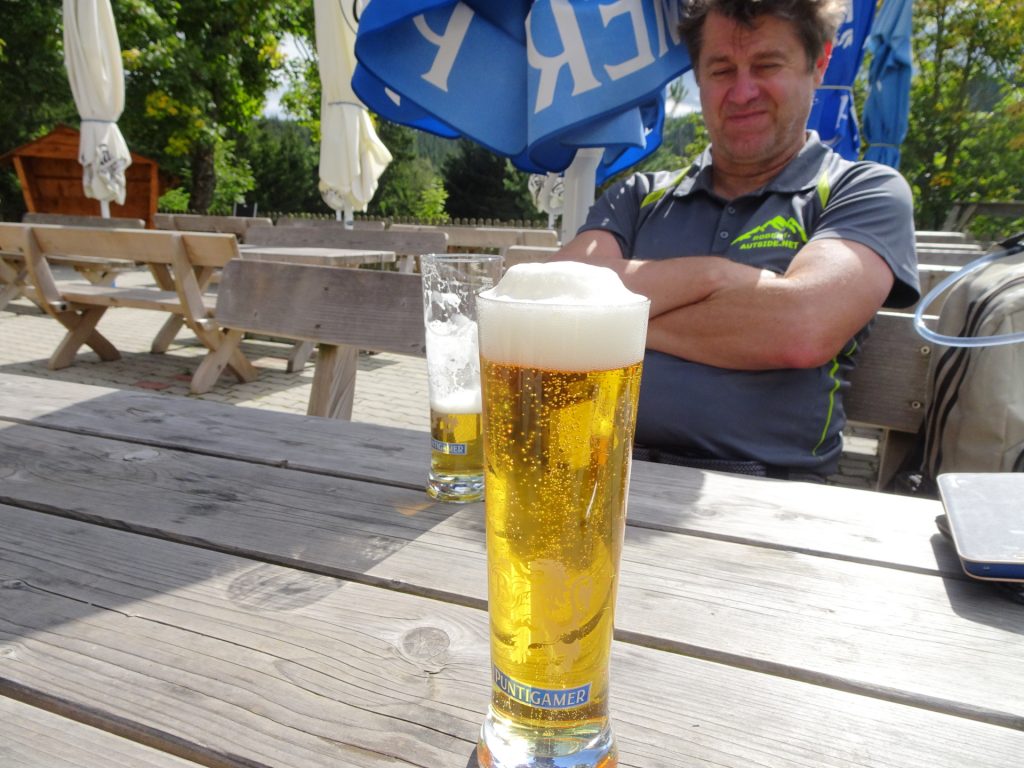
{"points": [[105, 209], [580, 179], [349, 217]]}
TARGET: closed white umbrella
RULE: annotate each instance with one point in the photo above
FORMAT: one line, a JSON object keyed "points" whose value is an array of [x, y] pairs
{"points": [[352, 157], [92, 56]]}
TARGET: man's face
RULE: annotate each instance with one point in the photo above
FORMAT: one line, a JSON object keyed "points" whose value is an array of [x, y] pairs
{"points": [[755, 91]]}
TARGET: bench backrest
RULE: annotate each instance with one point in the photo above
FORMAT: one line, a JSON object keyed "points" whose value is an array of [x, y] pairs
{"points": [[298, 221], [951, 254], [526, 254], [889, 385], [939, 236], [71, 220], [402, 243], [132, 245], [367, 309], [193, 222], [485, 237]]}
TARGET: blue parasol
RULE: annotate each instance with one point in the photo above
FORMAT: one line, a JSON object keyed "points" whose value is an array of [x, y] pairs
{"points": [[832, 114], [886, 111], [533, 81]]}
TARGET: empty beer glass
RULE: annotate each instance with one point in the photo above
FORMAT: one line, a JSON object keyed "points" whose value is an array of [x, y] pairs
{"points": [[450, 285], [561, 349]]}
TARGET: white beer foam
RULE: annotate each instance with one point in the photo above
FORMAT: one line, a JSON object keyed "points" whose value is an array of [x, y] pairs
{"points": [[563, 316]]}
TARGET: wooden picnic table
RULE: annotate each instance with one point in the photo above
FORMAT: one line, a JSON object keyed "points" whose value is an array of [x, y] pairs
{"points": [[184, 582]]}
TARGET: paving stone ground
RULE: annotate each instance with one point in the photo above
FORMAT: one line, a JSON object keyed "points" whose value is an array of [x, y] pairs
{"points": [[390, 389]]}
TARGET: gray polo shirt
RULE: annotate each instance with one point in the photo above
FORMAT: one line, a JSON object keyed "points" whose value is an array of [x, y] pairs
{"points": [[790, 417]]}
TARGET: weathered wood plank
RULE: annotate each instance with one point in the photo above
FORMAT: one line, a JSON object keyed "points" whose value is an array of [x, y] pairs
{"points": [[233, 662], [367, 309], [792, 614], [843, 522], [888, 387], [35, 738], [404, 243]]}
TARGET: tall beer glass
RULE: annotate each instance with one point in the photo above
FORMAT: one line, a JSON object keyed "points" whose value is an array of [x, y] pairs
{"points": [[450, 285], [561, 349]]}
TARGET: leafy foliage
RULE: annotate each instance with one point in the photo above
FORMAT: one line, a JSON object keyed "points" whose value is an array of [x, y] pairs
{"points": [[285, 166], [410, 186], [683, 139], [481, 184], [966, 115], [34, 84], [196, 77]]}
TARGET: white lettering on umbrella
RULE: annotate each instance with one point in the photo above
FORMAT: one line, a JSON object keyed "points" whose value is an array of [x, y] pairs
{"points": [[573, 54], [448, 44], [644, 57], [666, 12]]}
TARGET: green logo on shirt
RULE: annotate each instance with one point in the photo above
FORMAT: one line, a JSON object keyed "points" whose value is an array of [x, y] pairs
{"points": [[778, 232]]}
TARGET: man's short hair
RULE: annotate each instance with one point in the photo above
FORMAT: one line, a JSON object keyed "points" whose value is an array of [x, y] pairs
{"points": [[815, 21]]}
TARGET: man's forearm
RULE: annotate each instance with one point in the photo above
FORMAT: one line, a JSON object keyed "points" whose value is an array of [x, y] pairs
{"points": [[674, 283], [669, 283], [797, 320]]}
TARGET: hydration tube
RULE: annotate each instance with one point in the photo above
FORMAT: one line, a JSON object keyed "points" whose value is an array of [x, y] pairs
{"points": [[1010, 247]]}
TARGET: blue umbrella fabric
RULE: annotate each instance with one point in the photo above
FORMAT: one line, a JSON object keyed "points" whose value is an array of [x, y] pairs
{"points": [[886, 111], [832, 114], [533, 81]]}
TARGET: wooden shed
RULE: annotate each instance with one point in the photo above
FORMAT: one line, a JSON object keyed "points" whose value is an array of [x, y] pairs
{"points": [[51, 179]]}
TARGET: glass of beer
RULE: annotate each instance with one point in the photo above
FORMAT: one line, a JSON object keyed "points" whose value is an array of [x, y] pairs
{"points": [[561, 348], [450, 285]]}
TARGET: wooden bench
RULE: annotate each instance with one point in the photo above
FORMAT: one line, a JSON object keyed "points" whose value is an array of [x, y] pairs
{"points": [[180, 262], [491, 238], [948, 254], [526, 254], [100, 271], [340, 310], [407, 245], [298, 221], [889, 387], [193, 222], [71, 220]]}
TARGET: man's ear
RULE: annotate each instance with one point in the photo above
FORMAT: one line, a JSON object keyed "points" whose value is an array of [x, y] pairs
{"points": [[822, 63]]}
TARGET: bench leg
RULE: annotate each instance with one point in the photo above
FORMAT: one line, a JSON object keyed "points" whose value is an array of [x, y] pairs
{"points": [[215, 362], [334, 382], [8, 293], [14, 278], [299, 356], [893, 449], [166, 334], [81, 330]]}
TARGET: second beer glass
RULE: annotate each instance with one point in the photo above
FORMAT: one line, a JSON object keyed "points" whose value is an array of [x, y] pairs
{"points": [[450, 285], [561, 353]]}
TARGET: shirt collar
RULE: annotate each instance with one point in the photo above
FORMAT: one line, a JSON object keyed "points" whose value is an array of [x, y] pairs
{"points": [[799, 175]]}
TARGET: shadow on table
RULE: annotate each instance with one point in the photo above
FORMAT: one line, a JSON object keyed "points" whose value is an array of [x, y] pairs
{"points": [[981, 601]]}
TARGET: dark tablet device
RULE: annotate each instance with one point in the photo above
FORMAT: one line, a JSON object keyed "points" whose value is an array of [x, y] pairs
{"points": [[985, 513]]}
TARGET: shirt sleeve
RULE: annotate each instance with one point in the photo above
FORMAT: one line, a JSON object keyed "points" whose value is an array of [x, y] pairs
{"points": [[872, 204], [618, 211]]}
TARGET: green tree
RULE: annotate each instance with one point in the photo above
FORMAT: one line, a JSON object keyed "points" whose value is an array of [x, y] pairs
{"points": [[965, 114], [34, 84], [683, 139], [285, 165], [410, 186], [196, 78], [482, 184]]}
